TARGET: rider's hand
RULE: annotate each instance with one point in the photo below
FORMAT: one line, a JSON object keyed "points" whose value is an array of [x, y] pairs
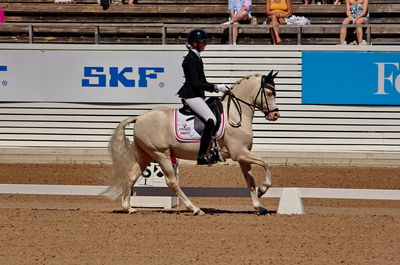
{"points": [[220, 88]]}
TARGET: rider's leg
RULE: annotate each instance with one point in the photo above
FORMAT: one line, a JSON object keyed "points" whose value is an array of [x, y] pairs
{"points": [[205, 141], [199, 106]]}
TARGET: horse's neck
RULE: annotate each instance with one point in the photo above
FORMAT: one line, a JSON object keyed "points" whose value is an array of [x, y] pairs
{"points": [[247, 112]]}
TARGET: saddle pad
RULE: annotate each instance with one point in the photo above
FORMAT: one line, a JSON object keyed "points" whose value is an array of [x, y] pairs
{"points": [[184, 128]]}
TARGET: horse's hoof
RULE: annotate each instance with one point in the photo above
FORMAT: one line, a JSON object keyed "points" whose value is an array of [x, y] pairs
{"points": [[198, 212], [131, 210], [262, 211]]}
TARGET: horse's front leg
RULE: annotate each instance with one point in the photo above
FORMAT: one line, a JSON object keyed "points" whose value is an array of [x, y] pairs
{"points": [[245, 160], [172, 182], [251, 158], [246, 169]]}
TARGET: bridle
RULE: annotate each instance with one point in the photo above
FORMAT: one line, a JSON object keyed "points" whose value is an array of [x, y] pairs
{"points": [[236, 101]]}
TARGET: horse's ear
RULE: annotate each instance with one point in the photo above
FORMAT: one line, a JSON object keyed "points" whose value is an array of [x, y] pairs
{"points": [[274, 75], [270, 74]]}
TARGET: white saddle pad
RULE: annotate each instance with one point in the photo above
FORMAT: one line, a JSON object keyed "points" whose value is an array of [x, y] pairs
{"points": [[184, 128]]}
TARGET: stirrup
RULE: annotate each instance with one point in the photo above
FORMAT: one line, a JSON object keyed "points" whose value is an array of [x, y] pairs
{"points": [[202, 160], [214, 154]]}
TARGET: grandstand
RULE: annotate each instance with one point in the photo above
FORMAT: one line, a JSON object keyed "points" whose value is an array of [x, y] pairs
{"points": [[168, 21]]}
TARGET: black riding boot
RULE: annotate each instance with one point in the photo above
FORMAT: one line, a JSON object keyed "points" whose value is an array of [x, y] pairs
{"points": [[202, 158]]}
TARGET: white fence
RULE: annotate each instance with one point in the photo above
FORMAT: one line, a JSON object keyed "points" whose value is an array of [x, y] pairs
{"points": [[314, 193], [43, 128]]}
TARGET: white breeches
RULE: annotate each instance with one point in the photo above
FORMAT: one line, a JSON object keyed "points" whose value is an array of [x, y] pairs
{"points": [[199, 106]]}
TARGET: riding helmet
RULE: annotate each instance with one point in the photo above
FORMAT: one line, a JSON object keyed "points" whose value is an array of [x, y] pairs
{"points": [[197, 35]]}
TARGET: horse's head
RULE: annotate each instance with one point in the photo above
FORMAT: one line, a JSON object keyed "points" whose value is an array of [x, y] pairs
{"points": [[266, 97], [257, 92]]}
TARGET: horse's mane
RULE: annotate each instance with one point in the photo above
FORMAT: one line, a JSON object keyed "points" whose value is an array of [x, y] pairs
{"points": [[240, 81]]}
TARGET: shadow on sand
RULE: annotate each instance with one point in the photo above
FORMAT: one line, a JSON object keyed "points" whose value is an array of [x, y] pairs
{"points": [[210, 211]]}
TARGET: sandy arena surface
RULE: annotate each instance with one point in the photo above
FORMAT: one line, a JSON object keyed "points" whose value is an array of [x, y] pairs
{"points": [[38, 229]]}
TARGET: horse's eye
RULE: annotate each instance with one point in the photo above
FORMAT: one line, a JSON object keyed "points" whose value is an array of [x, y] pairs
{"points": [[269, 92]]}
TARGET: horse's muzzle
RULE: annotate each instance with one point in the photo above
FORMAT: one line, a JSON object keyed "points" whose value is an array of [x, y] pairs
{"points": [[272, 115]]}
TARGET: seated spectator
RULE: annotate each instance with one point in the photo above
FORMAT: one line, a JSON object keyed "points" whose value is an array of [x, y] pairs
{"points": [[276, 11], [338, 2], [64, 1], [239, 12], [318, 2], [357, 14], [2, 17]]}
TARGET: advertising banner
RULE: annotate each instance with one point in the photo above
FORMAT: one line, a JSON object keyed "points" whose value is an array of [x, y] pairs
{"points": [[91, 76], [351, 78]]}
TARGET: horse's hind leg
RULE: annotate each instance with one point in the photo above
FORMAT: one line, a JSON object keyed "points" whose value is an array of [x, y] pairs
{"points": [[134, 174], [172, 182]]}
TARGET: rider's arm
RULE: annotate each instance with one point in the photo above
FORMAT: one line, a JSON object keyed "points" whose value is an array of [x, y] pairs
{"points": [[196, 74]]}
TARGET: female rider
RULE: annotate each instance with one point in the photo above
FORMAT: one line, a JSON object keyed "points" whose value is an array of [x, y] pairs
{"points": [[192, 91]]}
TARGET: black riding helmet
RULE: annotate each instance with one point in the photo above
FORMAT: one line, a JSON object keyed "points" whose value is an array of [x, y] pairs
{"points": [[197, 35]]}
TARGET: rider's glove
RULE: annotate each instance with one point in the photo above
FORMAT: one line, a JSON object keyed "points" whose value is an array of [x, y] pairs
{"points": [[220, 88]]}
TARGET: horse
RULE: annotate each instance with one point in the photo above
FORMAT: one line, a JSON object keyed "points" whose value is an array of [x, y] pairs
{"points": [[154, 139]]}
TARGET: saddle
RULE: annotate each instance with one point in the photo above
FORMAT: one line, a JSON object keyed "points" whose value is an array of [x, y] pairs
{"points": [[199, 124], [189, 126]]}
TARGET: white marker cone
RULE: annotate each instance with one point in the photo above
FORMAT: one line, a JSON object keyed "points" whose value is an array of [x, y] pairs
{"points": [[290, 202]]}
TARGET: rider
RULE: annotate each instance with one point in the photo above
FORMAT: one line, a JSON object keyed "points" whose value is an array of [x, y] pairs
{"points": [[192, 91]]}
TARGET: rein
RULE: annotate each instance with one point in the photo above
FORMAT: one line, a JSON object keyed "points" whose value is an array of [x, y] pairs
{"points": [[236, 101]]}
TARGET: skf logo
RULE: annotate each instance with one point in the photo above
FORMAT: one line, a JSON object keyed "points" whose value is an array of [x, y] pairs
{"points": [[391, 73], [97, 76], [3, 68]]}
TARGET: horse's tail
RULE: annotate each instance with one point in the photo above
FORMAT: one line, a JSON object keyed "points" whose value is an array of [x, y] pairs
{"points": [[123, 157]]}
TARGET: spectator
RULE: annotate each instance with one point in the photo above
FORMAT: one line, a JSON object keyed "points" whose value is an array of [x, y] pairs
{"points": [[357, 14], [318, 2], [338, 2], [2, 17], [276, 11], [239, 12]]}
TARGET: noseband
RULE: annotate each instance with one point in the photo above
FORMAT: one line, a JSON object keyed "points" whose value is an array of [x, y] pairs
{"points": [[266, 110], [261, 92]]}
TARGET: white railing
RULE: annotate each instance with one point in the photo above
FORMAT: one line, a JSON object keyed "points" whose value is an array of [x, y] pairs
{"points": [[314, 193]]}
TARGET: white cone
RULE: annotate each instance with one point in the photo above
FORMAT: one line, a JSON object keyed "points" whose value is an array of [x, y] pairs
{"points": [[290, 202]]}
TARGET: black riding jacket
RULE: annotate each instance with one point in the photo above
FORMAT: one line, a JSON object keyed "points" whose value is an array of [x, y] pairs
{"points": [[195, 80]]}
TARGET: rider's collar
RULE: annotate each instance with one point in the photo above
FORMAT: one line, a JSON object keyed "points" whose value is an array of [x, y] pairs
{"points": [[196, 52]]}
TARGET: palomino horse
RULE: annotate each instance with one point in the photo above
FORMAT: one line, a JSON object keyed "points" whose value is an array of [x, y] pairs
{"points": [[154, 139]]}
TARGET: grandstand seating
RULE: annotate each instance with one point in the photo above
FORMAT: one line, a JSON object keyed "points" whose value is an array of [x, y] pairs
{"points": [[120, 23]]}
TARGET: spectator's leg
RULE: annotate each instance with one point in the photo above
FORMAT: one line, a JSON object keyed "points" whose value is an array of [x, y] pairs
{"points": [[235, 33], [343, 30], [273, 20], [275, 30], [239, 16], [270, 19], [359, 30]]}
